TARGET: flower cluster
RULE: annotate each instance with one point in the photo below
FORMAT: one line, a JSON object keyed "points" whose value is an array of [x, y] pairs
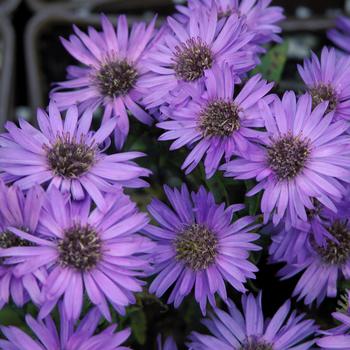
{"points": [[72, 238]]}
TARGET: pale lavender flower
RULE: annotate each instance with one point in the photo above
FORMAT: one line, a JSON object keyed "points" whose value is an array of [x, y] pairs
{"points": [[288, 242], [96, 253], [188, 50], [328, 79], [113, 66], [217, 123], [261, 18], [66, 154], [21, 211], [306, 157], [322, 266]]}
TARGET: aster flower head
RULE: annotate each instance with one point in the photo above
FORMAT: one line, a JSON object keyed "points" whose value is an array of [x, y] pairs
{"points": [[169, 343], [328, 80], [198, 246], [288, 242], [68, 337], [260, 18], [112, 69], [341, 35], [188, 50], [322, 266], [216, 121], [21, 211], [234, 330], [68, 155], [304, 158], [96, 252]]}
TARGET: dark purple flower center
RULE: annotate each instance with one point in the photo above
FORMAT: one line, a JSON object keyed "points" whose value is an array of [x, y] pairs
{"points": [[287, 156], [196, 247], [116, 78], [219, 118], [322, 93], [69, 158], [316, 211], [80, 248], [192, 59], [254, 344], [335, 253], [225, 12], [9, 240]]}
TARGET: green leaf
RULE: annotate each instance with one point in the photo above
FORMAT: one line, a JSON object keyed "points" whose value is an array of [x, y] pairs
{"points": [[139, 325], [10, 316], [273, 63], [216, 185]]}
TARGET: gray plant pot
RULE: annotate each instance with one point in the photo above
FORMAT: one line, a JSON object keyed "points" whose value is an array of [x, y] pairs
{"points": [[7, 58]]}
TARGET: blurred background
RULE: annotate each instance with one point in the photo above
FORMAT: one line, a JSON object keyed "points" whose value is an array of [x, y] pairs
{"points": [[31, 56]]}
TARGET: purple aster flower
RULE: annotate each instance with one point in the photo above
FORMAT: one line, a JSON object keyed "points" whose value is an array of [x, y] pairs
{"points": [[67, 155], [258, 15], [322, 266], [99, 253], [188, 50], [21, 211], [233, 330], [306, 157], [288, 242], [217, 121], [341, 35], [328, 79], [169, 344], [339, 337], [113, 68], [199, 247], [68, 337]]}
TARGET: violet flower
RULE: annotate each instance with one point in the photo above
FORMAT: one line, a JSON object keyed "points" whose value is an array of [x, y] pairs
{"points": [[233, 330], [96, 253], [21, 211], [199, 247], [305, 157], [188, 50], [66, 154], [113, 66], [68, 337], [260, 18], [328, 79], [217, 123]]}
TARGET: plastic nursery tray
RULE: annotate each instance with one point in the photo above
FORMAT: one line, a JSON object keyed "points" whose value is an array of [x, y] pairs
{"points": [[303, 36], [7, 6], [317, 7], [89, 5], [6, 70]]}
